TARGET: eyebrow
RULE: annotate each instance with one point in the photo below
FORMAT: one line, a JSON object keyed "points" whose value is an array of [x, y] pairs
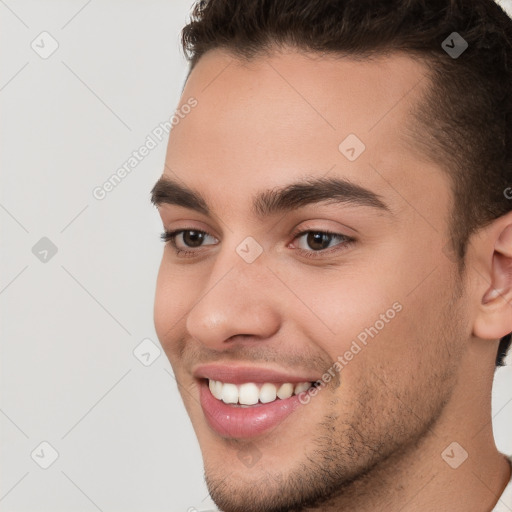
{"points": [[168, 191], [278, 200], [312, 191]]}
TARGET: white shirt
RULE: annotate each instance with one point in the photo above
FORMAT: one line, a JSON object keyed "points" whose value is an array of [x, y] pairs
{"points": [[505, 502]]}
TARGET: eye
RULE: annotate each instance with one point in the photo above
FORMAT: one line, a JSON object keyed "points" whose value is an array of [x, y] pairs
{"points": [[310, 242], [182, 240]]}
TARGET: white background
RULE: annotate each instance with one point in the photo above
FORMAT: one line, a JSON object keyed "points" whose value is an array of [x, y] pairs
{"points": [[69, 326]]}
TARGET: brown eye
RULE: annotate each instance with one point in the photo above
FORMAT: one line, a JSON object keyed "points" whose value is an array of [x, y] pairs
{"points": [[318, 240], [184, 239], [193, 238]]}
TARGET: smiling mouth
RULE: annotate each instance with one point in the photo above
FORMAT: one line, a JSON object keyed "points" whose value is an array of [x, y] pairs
{"points": [[246, 403], [253, 394]]}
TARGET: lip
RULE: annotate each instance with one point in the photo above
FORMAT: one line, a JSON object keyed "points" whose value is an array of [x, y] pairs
{"points": [[242, 374], [244, 422], [233, 421]]}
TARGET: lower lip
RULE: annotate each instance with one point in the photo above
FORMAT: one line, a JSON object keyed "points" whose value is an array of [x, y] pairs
{"points": [[243, 422]]}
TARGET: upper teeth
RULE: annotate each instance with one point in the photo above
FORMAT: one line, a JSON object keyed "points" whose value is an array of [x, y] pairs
{"points": [[250, 393]]}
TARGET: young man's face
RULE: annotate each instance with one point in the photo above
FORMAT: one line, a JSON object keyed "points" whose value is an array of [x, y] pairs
{"points": [[269, 296]]}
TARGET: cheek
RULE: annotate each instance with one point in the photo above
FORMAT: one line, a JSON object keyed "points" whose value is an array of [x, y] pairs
{"points": [[420, 344], [376, 316], [336, 308], [174, 296]]}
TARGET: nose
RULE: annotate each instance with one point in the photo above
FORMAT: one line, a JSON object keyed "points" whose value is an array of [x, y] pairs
{"points": [[237, 300]]}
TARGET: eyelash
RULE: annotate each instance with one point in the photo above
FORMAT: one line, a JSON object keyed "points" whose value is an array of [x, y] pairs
{"points": [[345, 242], [169, 237]]}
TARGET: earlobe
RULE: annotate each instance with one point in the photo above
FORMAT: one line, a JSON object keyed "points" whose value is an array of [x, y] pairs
{"points": [[494, 318]]}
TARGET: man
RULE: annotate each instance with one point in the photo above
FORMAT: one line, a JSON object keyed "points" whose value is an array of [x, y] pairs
{"points": [[337, 275]]}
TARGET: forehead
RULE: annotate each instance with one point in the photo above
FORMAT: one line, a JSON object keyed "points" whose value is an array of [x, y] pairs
{"points": [[259, 123]]}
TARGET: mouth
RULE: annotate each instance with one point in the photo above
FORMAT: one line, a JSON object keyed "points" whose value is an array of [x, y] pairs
{"points": [[240, 403]]}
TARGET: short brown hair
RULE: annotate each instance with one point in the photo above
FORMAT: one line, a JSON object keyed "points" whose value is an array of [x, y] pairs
{"points": [[467, 112]]}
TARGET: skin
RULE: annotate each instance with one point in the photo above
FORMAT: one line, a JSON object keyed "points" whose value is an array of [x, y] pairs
{"points": [[372, 439]]}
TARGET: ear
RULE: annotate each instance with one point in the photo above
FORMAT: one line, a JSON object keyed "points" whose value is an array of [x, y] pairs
{"points": [[494, 316]]}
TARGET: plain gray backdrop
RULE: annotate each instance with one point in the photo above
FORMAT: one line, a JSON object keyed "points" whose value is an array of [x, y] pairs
{"points": [[90, 415]]}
